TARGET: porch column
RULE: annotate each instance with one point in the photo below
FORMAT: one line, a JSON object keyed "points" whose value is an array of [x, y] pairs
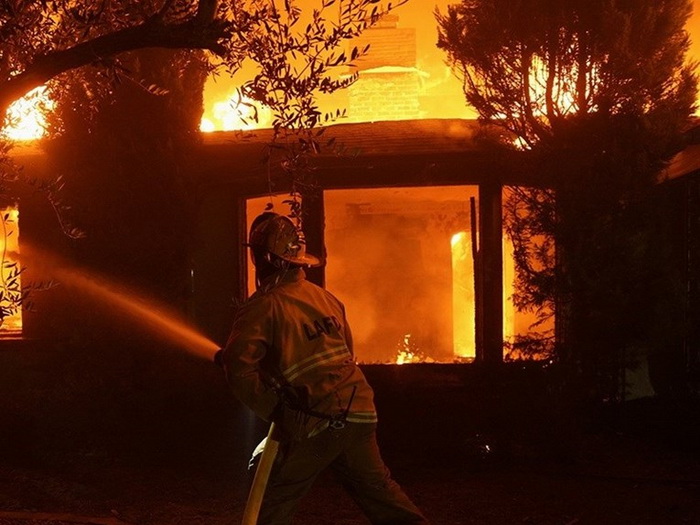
{"points": [[491, 255], [313, 222]]}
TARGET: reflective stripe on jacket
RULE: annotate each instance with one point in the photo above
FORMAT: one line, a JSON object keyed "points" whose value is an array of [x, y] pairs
{"points": [[292, 332]]}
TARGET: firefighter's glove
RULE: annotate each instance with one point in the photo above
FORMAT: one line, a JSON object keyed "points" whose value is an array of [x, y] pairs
{"points": [[294, 398]]}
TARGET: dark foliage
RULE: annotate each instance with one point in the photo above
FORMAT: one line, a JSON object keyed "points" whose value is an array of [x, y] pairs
{"points": [[597, 95], [123, 154]]}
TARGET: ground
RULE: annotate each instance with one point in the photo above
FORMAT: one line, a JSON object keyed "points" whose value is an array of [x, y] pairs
{"points": [[468, 449]]}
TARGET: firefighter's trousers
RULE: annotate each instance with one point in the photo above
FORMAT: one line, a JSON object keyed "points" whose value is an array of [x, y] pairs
{"points": [[353, 455]]}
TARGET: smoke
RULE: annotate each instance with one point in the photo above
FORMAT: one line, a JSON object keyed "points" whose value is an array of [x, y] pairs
{"points": [[390, 262]]}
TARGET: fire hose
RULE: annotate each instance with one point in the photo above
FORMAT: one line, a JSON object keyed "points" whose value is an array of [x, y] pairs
{"points": [[262, 475], [262, 472]]}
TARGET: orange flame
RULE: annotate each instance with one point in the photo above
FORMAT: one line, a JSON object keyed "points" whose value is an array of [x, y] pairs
{"points": [[26, 117]]}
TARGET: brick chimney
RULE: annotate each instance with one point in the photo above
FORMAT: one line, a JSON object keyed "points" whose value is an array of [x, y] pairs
{"points": [[389, 82]]}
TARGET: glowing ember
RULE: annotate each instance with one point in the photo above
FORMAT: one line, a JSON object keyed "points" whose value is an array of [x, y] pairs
{"points": [[26, 117], [409, 353]]}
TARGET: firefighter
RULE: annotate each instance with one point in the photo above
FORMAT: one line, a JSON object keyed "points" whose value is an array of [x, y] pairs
{"points": [[290, 359]]}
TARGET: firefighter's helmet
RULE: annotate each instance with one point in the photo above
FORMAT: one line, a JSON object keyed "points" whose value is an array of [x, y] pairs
{"points": [[277, 235]]}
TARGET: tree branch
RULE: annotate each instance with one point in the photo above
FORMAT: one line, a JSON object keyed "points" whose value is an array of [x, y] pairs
{"points": [[164, 8], [206, 11], [192, 34]]}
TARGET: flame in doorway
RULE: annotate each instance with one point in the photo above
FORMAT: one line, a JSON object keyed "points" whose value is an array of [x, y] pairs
{"points": [[463, 299]]}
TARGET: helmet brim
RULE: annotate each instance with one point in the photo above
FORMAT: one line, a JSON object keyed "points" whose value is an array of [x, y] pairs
{"points": [[305, 260], [279, 236]]}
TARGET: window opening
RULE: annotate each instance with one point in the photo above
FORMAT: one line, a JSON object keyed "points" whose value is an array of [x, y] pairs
{"points": [[11, 285], [400, 259]]}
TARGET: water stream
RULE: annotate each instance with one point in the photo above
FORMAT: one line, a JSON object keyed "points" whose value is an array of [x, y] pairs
{"points": [[157, 318]]}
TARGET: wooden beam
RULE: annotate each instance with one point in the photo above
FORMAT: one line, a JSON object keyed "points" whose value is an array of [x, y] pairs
{"points": [[313, 222], [491, 258]]}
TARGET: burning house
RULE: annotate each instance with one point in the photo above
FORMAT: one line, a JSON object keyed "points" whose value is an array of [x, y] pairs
{"points": [[408, 212], [401, 220], [405, 210], [407, 207]]}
